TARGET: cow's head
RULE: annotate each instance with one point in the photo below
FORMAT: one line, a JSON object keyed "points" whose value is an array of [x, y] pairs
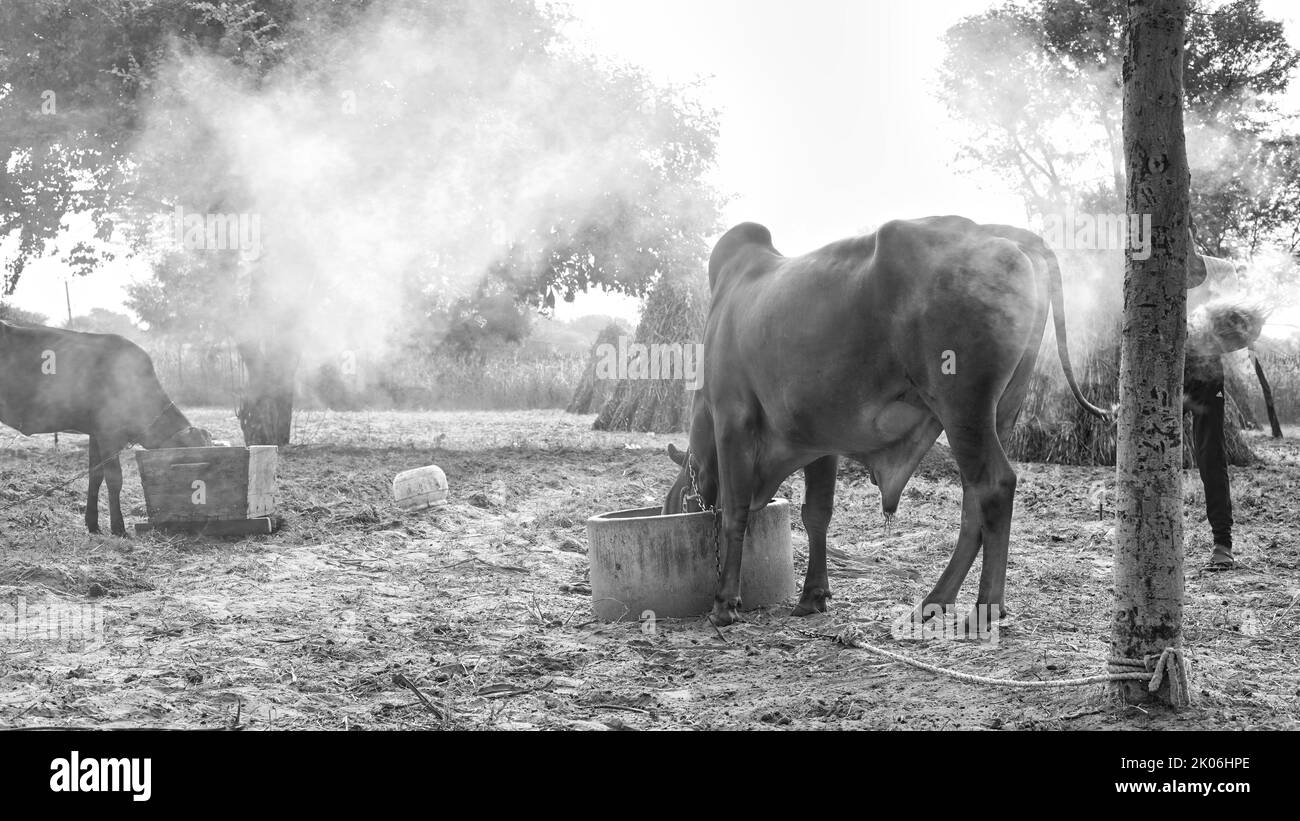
{"points": [[687, 496], [189, 437]]}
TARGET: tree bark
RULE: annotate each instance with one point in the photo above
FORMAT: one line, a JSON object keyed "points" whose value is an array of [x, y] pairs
{"points": [[266, 405], [1148, 613]]}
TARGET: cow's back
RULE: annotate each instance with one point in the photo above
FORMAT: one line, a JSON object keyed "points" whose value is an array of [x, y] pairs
{"points": [[58, 380], [839, 333]]}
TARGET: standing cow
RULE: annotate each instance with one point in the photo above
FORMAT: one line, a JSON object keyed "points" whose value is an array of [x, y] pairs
{"points": [[869, 347], [101, 385]]}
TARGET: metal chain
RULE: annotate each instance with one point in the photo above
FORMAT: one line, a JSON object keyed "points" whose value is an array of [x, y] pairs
{"points": [[717, 542], [714, 509]]}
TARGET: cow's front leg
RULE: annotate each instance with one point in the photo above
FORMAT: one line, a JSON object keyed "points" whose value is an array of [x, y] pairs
{"points": [[727, 602], [113, 478], [735, 491], [92, 491], [819, 499]]}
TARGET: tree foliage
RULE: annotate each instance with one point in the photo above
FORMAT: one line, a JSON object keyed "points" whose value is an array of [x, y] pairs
{"points": [[407, 161], [1040, 84]]}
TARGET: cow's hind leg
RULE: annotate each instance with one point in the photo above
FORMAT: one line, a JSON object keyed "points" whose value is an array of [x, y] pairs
{"points": [[993, 483], [819, 498], [988, 492], [92, 492]]}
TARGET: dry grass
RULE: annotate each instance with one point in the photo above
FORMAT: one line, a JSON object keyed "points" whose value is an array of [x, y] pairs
{"points": [[480, 605]]}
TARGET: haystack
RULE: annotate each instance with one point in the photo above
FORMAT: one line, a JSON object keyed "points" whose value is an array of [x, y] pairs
{"points": [[592, 393], [1053, 428]]}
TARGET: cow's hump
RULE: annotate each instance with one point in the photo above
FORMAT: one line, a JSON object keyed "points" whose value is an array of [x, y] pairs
{"points": [[744, 235]]}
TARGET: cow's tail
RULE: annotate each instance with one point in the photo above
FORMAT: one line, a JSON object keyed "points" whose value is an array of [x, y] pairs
{"points": [[1056, 293]]}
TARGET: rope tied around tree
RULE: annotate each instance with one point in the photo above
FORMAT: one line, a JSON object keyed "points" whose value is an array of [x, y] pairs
{"points": [[1152, 669], [1170, 662]]}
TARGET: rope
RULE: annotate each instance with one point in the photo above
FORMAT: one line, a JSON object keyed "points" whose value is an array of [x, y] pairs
{"points": [[94, 468], [67, 482], [1151, 669]]}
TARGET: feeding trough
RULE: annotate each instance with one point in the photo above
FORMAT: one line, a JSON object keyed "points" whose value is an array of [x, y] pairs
{"points": [[641, 560], [218, 491]]}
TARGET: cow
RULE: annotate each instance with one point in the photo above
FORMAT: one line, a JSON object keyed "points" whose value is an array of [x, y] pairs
{"points": [[102, 385], [869, 348]]}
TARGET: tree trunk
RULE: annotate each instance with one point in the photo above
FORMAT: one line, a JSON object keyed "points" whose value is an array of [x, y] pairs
{"points": [[266, 405], [1149, 516], [1268, 396]]}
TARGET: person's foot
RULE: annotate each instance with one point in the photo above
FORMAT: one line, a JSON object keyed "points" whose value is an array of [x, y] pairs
{"points": [[1222, 558]]}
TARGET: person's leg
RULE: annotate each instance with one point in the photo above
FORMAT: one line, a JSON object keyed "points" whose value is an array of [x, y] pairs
{"points": [[1205, 395]]}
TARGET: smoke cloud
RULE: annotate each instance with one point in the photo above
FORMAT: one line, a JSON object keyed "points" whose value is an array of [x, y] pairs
{"points": [[400, 158]]}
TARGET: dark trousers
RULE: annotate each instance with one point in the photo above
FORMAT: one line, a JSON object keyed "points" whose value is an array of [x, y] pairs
{"points": [[1203, 396]]}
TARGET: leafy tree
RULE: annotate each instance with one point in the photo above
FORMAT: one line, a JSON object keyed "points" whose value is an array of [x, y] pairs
{"points": [[20, 316], [390, 150], [103, 321], [1040, 84]]}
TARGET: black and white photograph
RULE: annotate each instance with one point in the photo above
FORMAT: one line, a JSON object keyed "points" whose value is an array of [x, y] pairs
{"points": [[463, 366]]}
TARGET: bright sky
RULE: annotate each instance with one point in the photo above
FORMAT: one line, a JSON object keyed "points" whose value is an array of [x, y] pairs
{"points": [[829, 124]]}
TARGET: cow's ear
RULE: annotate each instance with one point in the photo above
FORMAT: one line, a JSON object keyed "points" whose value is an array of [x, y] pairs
{"points": [[676, 455]]}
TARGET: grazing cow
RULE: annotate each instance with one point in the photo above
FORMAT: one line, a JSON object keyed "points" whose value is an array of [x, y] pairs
{"points": [[869, 347], [101, 385]]}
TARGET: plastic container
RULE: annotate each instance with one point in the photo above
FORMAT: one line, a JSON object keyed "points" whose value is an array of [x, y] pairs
{"points": [[420, 488]]}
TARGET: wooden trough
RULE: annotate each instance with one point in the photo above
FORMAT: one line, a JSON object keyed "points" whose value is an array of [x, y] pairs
{"points": [[641, 560], [217, 491]]}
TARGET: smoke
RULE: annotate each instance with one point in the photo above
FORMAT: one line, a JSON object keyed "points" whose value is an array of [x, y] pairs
{"points": [[398, 160]]}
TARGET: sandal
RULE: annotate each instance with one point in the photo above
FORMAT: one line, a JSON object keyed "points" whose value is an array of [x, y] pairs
{"points": [[1221, 559]]}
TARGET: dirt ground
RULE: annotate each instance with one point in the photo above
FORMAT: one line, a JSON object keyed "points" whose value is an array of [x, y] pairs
{"points": [[482, 605]]}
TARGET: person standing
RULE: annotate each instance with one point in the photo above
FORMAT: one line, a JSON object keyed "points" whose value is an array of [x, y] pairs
{"points": [[1203, 397], [1212, 331]]}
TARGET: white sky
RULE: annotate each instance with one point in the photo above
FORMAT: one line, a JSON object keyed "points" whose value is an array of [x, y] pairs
{"points": [[829, 124]]}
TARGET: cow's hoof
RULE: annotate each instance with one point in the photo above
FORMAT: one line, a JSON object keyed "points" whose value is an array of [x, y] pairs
{"points": [[925, 611], [725, 611], [982, 622], [93, 529], [989, 612], [812, 601]]}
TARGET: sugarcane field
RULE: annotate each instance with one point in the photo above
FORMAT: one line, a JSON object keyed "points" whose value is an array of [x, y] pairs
{"points": [[474, 367]]}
